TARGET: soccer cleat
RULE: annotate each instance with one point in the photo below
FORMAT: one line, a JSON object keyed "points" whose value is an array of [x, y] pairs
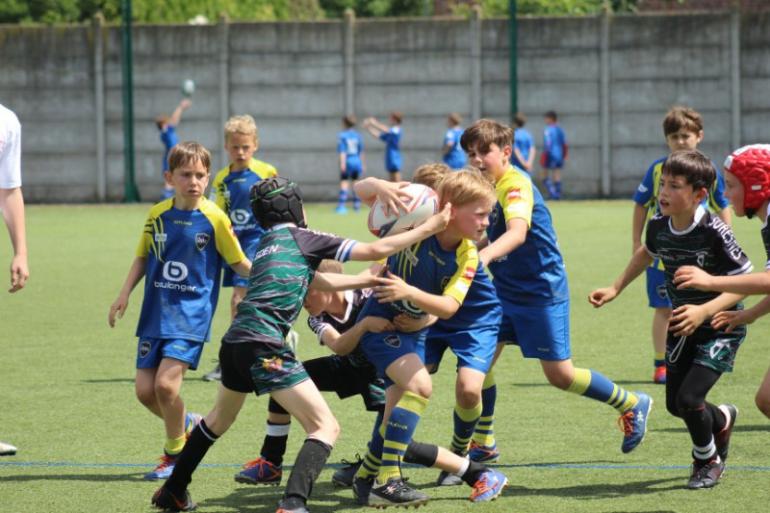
{"points": [[292, 505], [190, 421], [361, 488], [341, 209], [659, 376], [705, 474], [163, 470], [447, 479], [483, 453], [260, 471], [343, 478], [214, 375], [488, 486], [396, 493], [633, 423], [7, 449], [167, 501], [722, 439]]}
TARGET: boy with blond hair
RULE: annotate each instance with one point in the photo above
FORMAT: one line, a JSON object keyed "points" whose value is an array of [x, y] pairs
{"points": [[525, 261], [683, 130], [184, 242], [230, 191], [684, 233]]}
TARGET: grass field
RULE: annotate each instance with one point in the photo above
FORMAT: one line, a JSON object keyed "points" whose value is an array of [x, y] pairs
{"points": [[67, 390]]}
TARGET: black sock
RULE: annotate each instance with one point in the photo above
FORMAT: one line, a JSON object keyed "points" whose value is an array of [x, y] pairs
{"points": [[308, 465], [194, 450], [421, 454], [274, 446], [471, 475]]}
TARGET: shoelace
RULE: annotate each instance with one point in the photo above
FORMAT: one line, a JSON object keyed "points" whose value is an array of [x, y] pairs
{"points": [[626, 422], [480, 487], [358, 458], [254, 463], [165, 461]]}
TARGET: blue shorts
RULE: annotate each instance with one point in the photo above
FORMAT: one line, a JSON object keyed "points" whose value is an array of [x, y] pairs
{"points": [[350, 173], [657, 294], [382, 349], [540, 331], [150, 351], [553, 163], [475, 349], [231, 278]]}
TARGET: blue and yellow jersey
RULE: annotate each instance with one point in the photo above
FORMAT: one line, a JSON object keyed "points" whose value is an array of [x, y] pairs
{"points": [[184, 250], [533, 273], [350, 143], [646, 195], [480, 308], [455, 158], [432, 269], [230, 191], [392, 139]]}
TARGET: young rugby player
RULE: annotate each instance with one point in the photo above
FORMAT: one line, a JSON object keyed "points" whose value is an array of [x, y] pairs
{"points": [[185, 239], [452, 153], [167, 128], [391, 136], [253, 355], [524, 150], [685, 233], [683, 129], [554, 155], [350, 149], [524, 259]]}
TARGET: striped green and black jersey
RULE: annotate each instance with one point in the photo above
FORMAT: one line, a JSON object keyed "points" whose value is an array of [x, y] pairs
{"points": [[707, 243], [283, 267]]}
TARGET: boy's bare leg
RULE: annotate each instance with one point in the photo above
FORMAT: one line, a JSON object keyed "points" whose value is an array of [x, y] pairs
{"points": [[168, 383], [238, 294], [144, 386], [762, 399], [225, 411]]}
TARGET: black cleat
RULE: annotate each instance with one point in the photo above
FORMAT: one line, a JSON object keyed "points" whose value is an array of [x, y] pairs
{"points": [[722, 439], [343, 478], [361, 488], [447, 479], [167, 501], [396, 493], [705, 474]]}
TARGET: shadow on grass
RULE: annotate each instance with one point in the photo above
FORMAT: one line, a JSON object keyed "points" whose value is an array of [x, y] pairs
{"points": [[599, 491], [107, 380], [737, 428], [106, 478], [264, 499]]}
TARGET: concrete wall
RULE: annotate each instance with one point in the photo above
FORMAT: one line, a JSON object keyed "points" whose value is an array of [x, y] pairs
{"points": [[610, 80]]}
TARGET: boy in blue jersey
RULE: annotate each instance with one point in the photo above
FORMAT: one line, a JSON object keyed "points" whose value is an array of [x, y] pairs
{"points": [[697, 352], [523, 144], [683, 129], [230, 191], [554, 155], [167, 127], [350, 149], [391, 136], [253, 355], [452, 154], [436, 277], [185, 239], [525, 261]]}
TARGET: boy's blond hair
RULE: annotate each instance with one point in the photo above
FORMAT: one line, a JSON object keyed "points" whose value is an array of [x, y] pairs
{"points": [[485, 132], [186, 153], [431, 175], [244, 125], [466, 186], [682, 118]]}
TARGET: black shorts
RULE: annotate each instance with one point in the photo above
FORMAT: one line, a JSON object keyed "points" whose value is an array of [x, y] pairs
{"points": [[259, 367], [707, 347], [338, 374]]}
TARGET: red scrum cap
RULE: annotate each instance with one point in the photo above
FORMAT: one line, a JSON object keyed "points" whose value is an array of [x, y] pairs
{"points": [[751, 165]]}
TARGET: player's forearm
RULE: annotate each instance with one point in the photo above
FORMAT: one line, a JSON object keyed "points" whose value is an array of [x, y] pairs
{"points": [[442, 307], [506, 243], [135, 275], [342, 162], [392, 244], [760, 309], [243, 268], [367, 189], [345, 343], [636, 266], [755, 283], [531, 160], [726, 216], [637, 225], [12, 205], [722, 302], [333, 282]]}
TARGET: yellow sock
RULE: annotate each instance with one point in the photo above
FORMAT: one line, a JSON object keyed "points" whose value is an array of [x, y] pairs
{"points": [[174, 445]]}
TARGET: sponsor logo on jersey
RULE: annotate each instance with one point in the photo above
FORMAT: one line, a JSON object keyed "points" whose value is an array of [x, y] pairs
{"points": [[201, 239], [161, 237], [469, 273], [267, 251], [240, 216], [513, 194], [186, 223], [144, 348], [174, 272], [272, 364], [392, 341]]}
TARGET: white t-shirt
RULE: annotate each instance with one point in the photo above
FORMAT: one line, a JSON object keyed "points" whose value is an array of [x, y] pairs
{"points": [[10, 149]]}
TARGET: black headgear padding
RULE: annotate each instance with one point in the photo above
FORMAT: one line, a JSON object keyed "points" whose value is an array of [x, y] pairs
{"points": [[277, 200]]}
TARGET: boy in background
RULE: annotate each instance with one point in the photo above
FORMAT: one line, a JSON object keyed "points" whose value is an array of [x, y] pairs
{"points": [[184, 242], [230, 191], [697, 353], [167, 128], [453, 154], [391, 136], [523, 144], [683, 130], [528, 273], [350, 149], [554, 155]]}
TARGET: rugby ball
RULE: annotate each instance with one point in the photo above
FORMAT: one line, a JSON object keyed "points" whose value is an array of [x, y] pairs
{"points": [[188, 87], [424, 204]]}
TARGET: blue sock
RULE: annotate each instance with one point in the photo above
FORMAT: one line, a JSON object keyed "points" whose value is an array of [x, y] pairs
{"points": [[557, 189], [373, 456], [465, 421], [593, 384], [398, 433], [484, 434], [343, 197]]}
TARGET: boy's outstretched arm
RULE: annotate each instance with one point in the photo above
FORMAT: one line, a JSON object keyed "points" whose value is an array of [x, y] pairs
{"points": [[731, 319], [514, 236], [392, 288], [531, 160], [691, 277], [332, 282], [393, 244], [345, 343], [135, 275], [637, 226], [636, 266], [393, 195], [243, 268], [686, 319], [176, 116]]}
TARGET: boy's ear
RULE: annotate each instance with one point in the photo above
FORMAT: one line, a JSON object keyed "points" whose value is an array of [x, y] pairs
{"points": [[700, 136], [167, 178], [701, 194], [508, 150]]}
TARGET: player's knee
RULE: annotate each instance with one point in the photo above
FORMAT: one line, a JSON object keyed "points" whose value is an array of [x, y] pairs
{"points": [[686, 403], [146, 395], [559, 379], [166, 390], [763, 403], [672, 408], [468, 397]]}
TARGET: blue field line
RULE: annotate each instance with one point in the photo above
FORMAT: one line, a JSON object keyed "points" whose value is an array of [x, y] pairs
{"points": [[547, 466]]}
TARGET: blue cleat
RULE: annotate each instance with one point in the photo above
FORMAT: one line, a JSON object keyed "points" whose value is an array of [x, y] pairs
{"points": [[633, 422], [190, 421], [260, 471], [488, 486], [163, 470], [341, 209], [483, 453]]}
